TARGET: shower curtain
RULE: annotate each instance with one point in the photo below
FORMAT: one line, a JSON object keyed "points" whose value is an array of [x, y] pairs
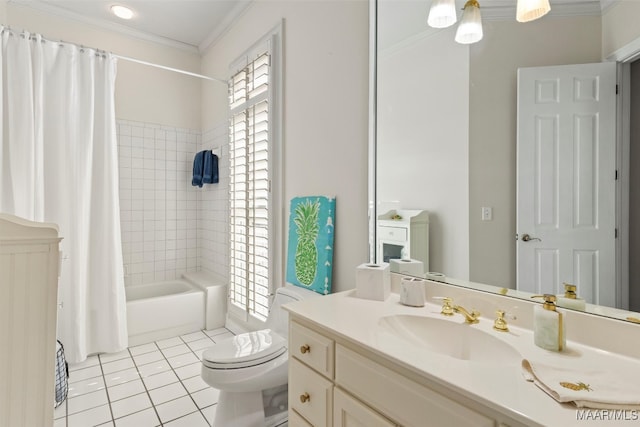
{"points": [[58, 163]]}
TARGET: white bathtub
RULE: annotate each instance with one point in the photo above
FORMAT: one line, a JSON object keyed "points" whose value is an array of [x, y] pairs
{"points": [[162, 310]]}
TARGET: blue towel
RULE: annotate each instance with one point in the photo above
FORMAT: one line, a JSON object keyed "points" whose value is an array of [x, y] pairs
{"points": [[198, 168], [210, 174]]}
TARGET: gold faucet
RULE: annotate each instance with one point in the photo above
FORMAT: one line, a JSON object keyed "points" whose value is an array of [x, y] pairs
{"points": [[448, 310]]}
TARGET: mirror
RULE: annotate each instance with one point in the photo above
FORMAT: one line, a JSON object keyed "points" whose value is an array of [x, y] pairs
{"points": [[446, 126]]}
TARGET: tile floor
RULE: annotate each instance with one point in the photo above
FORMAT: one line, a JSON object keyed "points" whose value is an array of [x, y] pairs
{"points": [[156, 384]]}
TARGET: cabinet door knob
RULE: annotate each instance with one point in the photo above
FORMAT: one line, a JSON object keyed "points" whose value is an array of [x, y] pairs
{"points": [[305, 349], [305, 398]]}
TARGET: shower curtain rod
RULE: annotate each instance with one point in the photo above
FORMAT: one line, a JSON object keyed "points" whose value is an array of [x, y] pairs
{"points": [[151, 64]]}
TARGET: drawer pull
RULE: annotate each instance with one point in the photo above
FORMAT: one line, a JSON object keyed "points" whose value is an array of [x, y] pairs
{"points": [[305, 398], [305, 349]]}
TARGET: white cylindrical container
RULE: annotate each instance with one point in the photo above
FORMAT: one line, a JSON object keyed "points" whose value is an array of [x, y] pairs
{"points": [[373, 281], [549, 326], [412, 291]]}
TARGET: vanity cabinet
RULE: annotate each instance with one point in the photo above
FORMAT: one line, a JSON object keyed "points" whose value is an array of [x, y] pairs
{"points": [[409, 233], [336, 383]]}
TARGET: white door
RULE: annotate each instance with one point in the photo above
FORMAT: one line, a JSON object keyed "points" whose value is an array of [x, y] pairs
{"points": [[566, 180]]}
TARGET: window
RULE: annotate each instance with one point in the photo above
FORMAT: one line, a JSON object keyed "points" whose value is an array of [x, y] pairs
{"points": [[253, 199]]}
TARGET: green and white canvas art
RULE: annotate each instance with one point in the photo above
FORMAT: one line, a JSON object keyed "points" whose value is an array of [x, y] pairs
{"points": [[310, 250]]}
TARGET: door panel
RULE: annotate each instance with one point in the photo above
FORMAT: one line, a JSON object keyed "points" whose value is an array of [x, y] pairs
{"points": [[566, 180]]}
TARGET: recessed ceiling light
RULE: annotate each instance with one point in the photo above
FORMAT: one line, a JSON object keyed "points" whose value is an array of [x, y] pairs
{"points": [[122, 12]]}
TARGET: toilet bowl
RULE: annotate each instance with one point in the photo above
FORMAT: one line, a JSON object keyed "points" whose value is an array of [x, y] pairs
{"points": [[245, 365]]}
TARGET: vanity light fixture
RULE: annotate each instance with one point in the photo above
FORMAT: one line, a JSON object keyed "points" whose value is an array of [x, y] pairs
{"points": [[122, 12], [470, 28], [442, 14], [529, 10]]}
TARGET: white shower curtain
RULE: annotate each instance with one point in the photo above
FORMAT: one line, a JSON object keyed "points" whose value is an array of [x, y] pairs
{"points": [[58, 163]]}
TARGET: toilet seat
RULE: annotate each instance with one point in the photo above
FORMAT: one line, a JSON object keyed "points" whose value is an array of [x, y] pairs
{"points": [[243, 350]]}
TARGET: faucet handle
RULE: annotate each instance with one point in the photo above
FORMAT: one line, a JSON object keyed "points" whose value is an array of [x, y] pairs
{"points": [[447, 308], [500, 324]]}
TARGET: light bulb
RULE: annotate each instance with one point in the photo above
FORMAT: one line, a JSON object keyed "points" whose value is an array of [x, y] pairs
{"points": [[122, 12], [442, 14]]}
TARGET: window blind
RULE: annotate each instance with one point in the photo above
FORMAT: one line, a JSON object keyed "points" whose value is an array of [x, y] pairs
{"points": [[249, 188]]}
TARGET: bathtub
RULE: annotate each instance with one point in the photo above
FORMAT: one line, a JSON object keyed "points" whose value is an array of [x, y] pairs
{"points": [[156, 311]]}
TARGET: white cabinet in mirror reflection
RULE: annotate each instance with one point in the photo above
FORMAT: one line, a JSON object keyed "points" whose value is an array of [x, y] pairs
{"points": [[403, 234]]}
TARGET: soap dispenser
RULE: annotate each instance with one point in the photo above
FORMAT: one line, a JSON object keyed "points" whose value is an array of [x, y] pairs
{"points": [[570, 298], [549, 329]]}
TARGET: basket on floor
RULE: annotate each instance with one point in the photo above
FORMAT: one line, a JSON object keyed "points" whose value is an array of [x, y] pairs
{"points": [[62, 375]]}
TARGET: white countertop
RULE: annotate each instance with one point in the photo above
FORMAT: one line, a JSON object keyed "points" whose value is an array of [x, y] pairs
{"points": [[499, 387]]}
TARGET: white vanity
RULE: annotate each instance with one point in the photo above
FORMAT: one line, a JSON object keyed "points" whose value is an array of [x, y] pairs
{"points": [[369, 363]]}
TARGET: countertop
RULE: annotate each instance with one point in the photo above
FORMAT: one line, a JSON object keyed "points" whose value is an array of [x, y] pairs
{"points": [[499, 387]]}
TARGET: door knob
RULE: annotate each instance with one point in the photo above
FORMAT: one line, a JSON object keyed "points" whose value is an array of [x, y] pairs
{"points": [[527, 238]]}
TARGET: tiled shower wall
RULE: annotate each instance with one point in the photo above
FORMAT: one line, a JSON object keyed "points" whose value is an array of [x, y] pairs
{"points": [[213, 207], [158, 205]]}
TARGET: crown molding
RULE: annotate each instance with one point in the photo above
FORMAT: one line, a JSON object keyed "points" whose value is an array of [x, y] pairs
{"points": [[580, 8], [106, 25], [228, 22]]}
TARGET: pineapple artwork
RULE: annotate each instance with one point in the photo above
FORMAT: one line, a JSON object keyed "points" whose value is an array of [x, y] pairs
{"points": [[310, 244]]}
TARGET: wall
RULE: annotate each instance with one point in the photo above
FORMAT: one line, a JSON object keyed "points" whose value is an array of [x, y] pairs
{"points": [[634, 190], [506, 46], [143, 93], [423, 145], [158, 205], [620, 26], [325, 108]]}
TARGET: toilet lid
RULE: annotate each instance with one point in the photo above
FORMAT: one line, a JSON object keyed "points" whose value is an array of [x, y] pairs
{"points": [[249, 349]]}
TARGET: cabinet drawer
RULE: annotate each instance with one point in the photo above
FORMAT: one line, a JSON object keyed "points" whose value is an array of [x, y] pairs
{"points": [[348, 412], [312, 348], [392, 233], [310, 394], [295, 420], [401, 399]]}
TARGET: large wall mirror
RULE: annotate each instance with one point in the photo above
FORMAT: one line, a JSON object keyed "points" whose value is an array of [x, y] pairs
{"points": [[446, 149]]}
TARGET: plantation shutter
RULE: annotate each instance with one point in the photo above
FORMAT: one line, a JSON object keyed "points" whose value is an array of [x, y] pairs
{"points": [[249, 187]]}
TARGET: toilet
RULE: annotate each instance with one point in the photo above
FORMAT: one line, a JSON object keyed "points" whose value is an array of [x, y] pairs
{"points": [[244, 366]]}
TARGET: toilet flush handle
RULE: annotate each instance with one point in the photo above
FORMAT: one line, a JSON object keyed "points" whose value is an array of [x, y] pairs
{"points": [[305, 349]]}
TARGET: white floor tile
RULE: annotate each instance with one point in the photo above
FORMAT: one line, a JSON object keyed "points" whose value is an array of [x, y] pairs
{"points": [[110, 357], [176, 408], [90, 361], [199, 353], [85, 386], [206, 397], [121, 377], [60, 411], [125, 390], [193, 336], [109, 424], [159, 380], [182, 360], [91, 417], [130, 405], [192, 420], [189, 370], [166, 393], [176, 350], [146, 358], [118, 365], [214, 332], [221, 337], [144, 348], [83, 374], [210, 413], [200, 344], [146, 418], [60, 422], [170, 342], [195, 384], [153, 368], [87, 401]]}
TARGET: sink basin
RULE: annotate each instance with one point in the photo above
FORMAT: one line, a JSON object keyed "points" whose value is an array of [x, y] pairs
{"points": [[457, 340]]}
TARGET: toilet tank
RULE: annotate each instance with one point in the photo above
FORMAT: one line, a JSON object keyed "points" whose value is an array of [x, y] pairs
{"points": [[278, 318]]}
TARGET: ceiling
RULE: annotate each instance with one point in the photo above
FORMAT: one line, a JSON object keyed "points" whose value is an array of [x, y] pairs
{"points": [[189, 24]]}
